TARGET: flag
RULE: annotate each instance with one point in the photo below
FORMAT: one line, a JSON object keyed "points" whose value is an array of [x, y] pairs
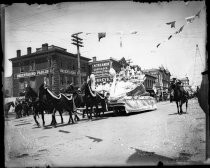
{"points": [[176, 32], [172, 24], [169, 37], [101, 35], [198, 14], [134, 32], [120, 42], [158, 45], [190, 19], [181, 28]]}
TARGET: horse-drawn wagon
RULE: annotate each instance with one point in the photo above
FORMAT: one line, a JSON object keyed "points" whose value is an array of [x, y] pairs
{"points": [[129, 95], [131, 104]]}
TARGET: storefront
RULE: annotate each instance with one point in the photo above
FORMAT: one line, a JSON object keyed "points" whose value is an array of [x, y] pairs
{"points": [[49, 63]]}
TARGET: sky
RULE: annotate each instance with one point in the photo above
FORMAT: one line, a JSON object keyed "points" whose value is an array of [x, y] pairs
{"points": [[33, 25]]}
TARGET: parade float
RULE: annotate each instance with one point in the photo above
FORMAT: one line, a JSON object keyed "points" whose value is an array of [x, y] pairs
{"points": [[127, 92]]}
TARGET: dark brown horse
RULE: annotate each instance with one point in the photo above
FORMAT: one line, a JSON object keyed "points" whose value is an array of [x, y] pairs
{"points": [[78, 97], [35, 103], [56, 103], [93, 99], [179, 95], [7, 107]]}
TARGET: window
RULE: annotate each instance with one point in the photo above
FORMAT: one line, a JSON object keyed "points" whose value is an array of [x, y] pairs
{"points": [[21, 69], [32, 66], [62, 79]]}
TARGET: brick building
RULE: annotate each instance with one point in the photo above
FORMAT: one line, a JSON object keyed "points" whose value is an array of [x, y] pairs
{"points": [[185, 81], [162, 78], [101, 69], [8, 85], [52, 63], [149, 82]]}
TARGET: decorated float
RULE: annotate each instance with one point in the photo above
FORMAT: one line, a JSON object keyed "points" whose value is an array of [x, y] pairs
{"points": [[127, 92]]}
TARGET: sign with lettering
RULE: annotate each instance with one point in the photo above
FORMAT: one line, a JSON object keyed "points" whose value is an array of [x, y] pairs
{"points": [[101, 71], [42, 72], [32, 73], [66, 71], [27, 74]]}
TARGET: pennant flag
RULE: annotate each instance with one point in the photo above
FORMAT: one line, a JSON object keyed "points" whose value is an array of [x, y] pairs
{"points": [[198, 14], [172, 24], [158, 45], [181, 28], [121, 43], [134, 32], [169, 37], [101, 35], [176, 32], [190, 19]]}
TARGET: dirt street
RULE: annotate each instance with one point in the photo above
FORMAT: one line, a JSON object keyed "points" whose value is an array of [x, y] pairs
{"points": [[140, 138]]}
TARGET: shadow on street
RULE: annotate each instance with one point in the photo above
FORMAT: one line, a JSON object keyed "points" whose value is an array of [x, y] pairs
{"points": [[144, 157]]}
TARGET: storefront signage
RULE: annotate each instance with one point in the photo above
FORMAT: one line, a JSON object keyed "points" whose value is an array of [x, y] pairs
{"points": [[42, 72], [66, 71], [33, 73], [27, 74]]}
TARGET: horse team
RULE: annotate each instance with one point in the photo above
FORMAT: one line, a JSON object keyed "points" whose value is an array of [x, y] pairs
{"points": [[70, 100], [45, 101]]}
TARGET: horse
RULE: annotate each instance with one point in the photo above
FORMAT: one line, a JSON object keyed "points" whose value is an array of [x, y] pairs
{"points": [[78, 97], [93, 99], [55, 103], [7, 107], [180, 96], [34, 102], [18, 109]]}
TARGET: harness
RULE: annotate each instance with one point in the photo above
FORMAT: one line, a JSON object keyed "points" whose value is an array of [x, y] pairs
{"points": [[96, 93]]}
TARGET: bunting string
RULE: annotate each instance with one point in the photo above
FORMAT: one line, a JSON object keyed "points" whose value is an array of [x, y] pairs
{"points": [[172, 24]]}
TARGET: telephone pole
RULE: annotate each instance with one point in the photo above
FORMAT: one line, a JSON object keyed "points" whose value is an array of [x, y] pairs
{"points": [[78, 42]]}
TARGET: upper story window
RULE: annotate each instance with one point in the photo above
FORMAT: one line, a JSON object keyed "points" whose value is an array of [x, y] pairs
{"points": [[62, 79], [32, 66]]}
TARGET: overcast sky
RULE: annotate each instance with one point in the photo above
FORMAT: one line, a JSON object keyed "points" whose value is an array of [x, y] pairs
{"points": [[33, 25]]}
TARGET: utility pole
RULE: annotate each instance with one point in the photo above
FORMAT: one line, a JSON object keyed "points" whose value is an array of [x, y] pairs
{"points": [[78, 42]]}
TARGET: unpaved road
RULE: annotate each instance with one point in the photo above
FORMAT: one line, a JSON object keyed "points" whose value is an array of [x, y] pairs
{"points": [[140, 138]]}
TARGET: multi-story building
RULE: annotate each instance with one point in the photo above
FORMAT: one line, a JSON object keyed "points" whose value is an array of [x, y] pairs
{"points": [[149, 82], [101, 69], [51, 63], [185, 81], [162, 78], [8, 85]]}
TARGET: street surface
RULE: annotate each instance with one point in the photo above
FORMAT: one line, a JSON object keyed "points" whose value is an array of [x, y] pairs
{"points": [[137, 139]]}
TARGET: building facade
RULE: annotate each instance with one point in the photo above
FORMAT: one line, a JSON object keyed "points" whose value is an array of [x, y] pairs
{"points": [[101, 69], [8, 85], [149, 82], [185, 81], [51, 63], [162, 78]]}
